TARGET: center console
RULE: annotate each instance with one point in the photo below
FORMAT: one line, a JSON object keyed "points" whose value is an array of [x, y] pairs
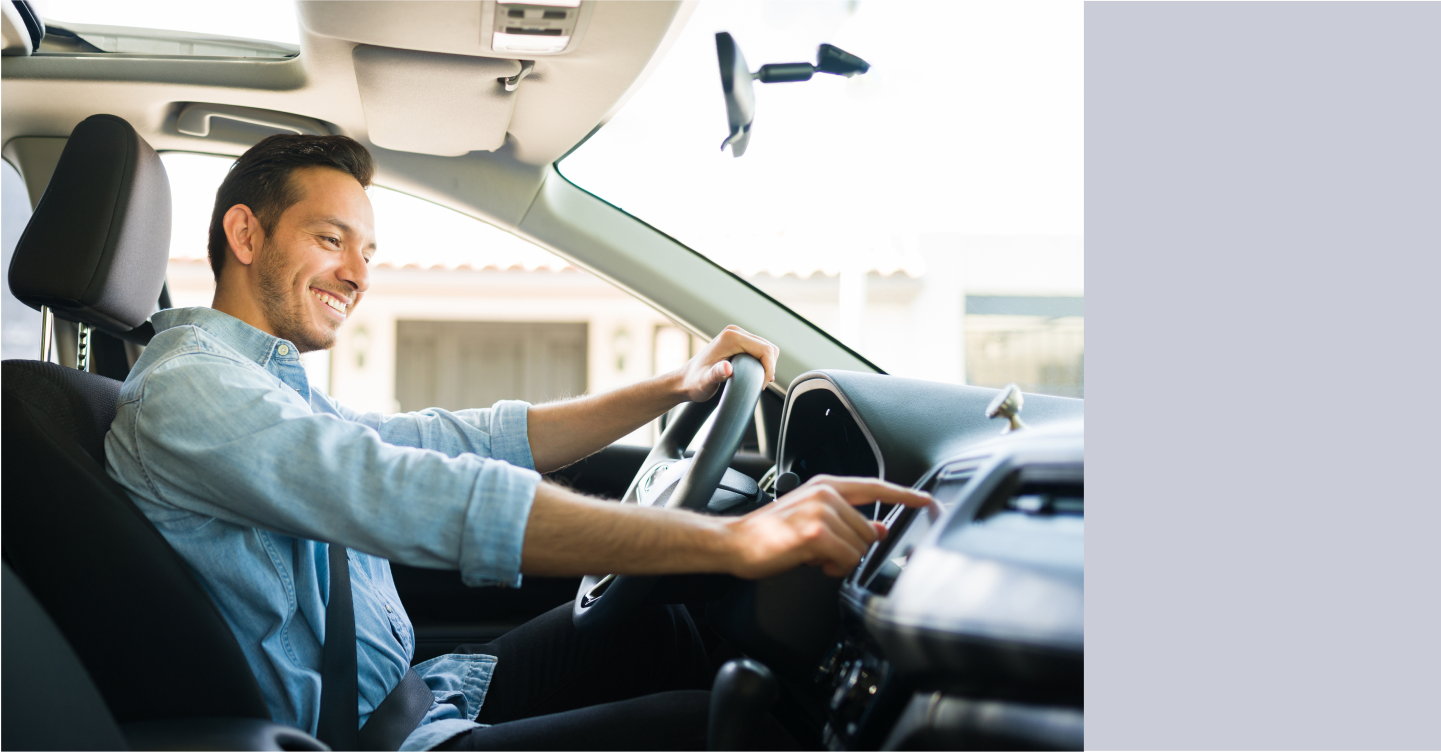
{"points": [[964, 626]]}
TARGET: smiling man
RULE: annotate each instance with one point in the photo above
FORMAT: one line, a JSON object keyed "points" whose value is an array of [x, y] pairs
{"points": [[253, 475]]}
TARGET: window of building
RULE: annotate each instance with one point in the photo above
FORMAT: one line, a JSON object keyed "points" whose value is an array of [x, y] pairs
{"points": [[1036, 342]]}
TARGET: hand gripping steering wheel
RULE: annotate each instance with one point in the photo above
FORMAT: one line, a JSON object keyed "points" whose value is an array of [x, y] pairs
{"points": [[669, 479]]}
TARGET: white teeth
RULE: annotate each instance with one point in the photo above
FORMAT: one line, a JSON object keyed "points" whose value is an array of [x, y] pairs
{"points": [[330, 301]]}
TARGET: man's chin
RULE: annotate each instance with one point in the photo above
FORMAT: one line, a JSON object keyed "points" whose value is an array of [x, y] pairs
{"points": [[312, 339]]}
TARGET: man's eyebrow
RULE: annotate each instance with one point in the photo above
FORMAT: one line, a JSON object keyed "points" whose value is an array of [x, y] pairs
{"points": [[334, 221], [345, 228]]}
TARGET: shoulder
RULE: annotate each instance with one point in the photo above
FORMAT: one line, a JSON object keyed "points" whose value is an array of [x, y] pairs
{"points": [[181, 353]]}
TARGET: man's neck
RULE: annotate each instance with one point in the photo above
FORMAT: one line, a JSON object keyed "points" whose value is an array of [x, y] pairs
{"points": [[232, 296]]}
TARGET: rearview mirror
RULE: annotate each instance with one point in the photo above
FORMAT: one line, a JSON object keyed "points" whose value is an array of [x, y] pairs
{"points": [[740, 99], [736, 79]]}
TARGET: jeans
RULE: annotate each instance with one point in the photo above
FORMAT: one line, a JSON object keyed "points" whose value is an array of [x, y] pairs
{"points": [[639, 687]]}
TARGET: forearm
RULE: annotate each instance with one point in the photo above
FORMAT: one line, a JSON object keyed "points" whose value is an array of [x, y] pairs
{"points": [[568, 534], [564, 432]]}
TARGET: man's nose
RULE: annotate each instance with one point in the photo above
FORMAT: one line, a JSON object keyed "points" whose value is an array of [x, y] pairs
{"points": [[356, 272]]}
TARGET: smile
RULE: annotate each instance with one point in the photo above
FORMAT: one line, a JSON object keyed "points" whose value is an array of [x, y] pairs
{"points": [[336, 304]]}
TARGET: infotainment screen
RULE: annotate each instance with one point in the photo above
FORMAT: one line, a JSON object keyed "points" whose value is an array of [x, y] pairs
{"points": [[890, 560], [906, 529]]}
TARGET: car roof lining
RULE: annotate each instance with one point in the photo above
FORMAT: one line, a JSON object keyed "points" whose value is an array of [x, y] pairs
{"points": [[557, 106]]}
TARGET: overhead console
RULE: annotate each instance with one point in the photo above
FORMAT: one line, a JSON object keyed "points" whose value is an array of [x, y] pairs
{"points": [[482, 29], [537, 28]]}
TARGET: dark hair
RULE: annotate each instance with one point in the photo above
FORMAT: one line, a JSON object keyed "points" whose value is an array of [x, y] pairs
{"points": [[260, 179]]}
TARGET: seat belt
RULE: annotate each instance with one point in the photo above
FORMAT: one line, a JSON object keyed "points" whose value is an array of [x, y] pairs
{"points": [[339, 677], [401, 710], [398, 714]]}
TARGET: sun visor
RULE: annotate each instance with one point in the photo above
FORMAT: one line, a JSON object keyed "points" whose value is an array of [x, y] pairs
{"points": [[434, 103]]}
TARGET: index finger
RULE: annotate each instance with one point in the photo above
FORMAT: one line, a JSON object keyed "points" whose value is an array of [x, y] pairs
{"points": [[760, 349], [860, 491]]}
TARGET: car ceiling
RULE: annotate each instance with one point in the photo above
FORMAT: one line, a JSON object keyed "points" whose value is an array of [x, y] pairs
{"points": [[555, 107]]}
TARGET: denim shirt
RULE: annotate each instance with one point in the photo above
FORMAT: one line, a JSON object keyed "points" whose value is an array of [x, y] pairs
{"points": [[249, 473]]}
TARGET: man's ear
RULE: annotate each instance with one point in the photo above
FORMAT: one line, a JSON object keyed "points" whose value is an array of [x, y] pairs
{"points": [[244, 233]]}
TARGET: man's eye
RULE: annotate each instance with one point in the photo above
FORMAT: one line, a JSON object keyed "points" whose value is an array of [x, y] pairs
{"points": [[332, 240]]}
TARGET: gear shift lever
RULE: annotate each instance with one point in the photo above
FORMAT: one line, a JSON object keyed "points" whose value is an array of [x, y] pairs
{"points": [[744, 689]]}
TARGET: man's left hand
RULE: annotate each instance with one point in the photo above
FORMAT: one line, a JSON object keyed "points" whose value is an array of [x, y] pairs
{"points": [[707, 371]]}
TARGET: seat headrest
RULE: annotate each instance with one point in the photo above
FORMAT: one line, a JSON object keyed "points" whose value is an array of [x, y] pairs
{"points": [[96, 247]]}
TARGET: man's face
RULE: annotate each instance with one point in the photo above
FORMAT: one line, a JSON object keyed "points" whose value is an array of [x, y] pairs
{"points": [[312, 270]]}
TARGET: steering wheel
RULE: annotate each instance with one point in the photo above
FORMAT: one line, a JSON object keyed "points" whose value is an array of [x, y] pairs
{"points": [[668, 478]]}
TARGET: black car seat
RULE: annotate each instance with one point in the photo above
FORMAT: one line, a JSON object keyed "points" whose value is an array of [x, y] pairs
{"points": [[40, 667], [131, 608]]}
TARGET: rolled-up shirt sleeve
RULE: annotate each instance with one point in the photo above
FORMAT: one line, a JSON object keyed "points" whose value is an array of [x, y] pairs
{"points": [[499, 432], [438, 489]]}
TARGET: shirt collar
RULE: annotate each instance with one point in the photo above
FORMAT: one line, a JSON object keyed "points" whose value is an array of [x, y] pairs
{"points": [[245, 339]]}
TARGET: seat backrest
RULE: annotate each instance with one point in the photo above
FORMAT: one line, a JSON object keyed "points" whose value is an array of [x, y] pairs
{"points": [[129, 605], [95, 251]]}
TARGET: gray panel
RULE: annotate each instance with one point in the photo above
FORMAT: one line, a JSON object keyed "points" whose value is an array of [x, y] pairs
{"points": [[415, 366], [490, 366], [462, 364], [1026, 305], [563, 355]]}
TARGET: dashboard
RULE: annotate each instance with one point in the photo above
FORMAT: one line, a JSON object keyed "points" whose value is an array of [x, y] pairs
{"points": [[964, 626]]}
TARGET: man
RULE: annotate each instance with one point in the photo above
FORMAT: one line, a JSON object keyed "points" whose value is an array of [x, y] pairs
{"points": [[250, 474]]}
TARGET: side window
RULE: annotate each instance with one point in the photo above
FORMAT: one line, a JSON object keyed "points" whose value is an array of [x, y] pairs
{"points": [[459, 313], [19, 323]]}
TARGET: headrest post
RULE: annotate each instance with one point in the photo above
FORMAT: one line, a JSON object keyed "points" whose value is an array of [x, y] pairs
{"points": [[47, 333], [82, 349]]}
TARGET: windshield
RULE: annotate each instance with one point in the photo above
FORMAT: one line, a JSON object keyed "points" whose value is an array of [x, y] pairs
{"points": [[928, 213]]}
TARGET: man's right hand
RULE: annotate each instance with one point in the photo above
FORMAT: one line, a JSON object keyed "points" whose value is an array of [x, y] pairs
{"points": [[567, 534], [814, 524]]}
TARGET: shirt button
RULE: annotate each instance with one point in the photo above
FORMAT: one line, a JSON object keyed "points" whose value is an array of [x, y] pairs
{"points": [[283, 350], [387, 609]]}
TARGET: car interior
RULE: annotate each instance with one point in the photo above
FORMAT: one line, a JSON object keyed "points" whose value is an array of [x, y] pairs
{"points": [[962, 628]]}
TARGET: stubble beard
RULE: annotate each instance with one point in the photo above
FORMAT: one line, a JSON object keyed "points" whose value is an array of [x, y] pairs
{"points": [[289, 317]]}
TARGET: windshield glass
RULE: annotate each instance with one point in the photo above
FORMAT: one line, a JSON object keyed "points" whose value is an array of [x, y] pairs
{"points": [[928, 213], [266, 20]]}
